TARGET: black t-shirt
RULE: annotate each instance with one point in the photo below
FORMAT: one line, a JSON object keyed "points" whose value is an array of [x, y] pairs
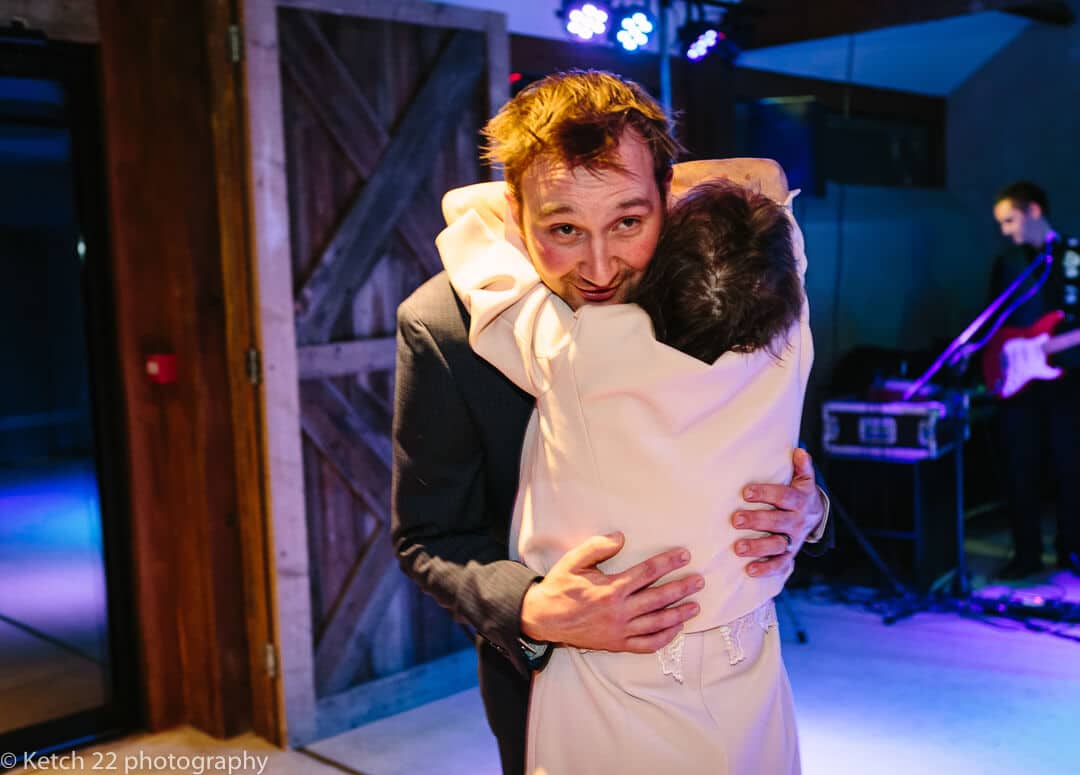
{"points": [[1061, 291]]}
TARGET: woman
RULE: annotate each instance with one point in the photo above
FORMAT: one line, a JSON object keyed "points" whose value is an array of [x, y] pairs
{"points": [[650, 419]]}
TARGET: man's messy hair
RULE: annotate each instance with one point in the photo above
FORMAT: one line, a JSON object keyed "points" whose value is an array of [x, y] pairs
{"points": [[578, 118]]}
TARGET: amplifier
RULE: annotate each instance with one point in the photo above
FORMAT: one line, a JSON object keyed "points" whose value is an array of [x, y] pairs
{"points": [[903, 431]]}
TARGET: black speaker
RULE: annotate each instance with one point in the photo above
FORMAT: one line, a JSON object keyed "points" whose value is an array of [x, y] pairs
{"points": [[789, 130], [816, 144]]}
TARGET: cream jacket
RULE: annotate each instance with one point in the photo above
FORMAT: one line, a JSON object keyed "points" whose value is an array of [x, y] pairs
{"points": [[628, 433]]}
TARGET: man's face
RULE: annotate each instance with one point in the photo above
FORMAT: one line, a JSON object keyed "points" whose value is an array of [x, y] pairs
{"points": [[1021, 226], [591, 234]]}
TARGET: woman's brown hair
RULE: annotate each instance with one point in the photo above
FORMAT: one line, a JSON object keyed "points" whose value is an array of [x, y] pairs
{"points": [[724, 275]]}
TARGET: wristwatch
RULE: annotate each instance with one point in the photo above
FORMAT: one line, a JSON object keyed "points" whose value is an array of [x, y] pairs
{"points": [[536, 654]]}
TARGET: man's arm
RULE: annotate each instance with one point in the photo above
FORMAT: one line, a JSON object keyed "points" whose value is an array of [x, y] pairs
{"points": [[441, 525]]}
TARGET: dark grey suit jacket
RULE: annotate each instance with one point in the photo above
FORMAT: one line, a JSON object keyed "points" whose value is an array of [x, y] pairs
{"points": [[458, 430]]}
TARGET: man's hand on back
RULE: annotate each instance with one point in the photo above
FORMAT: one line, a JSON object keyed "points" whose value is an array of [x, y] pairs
{"points": [[576, 604], [797, 511]]}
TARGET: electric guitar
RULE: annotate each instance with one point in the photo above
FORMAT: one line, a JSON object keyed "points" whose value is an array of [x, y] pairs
{"points": [[1015, 356]]}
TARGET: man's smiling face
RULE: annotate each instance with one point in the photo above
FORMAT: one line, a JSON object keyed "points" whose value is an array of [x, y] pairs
{"points": [[590, 234]]}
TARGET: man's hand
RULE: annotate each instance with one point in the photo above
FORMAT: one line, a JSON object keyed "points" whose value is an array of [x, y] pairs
{"points": [[578, 605], [797, 510], [764, 176]]}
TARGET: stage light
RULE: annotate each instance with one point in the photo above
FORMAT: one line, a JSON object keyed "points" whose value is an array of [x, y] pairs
{"points": [[633, 26], [701, 38], [703, 43], [585, 21]]}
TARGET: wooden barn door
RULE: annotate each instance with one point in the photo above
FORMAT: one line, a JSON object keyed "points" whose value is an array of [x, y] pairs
{"points": [[379, 111]]}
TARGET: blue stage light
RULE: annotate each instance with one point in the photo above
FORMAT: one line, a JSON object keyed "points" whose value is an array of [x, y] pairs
{"points": [[633, 26], [702, 44], [585, 21]]}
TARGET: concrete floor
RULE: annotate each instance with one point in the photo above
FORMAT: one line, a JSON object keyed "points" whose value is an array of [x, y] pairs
{"points": [[935, 693], [932, 693], [186, 750], [53, 608]]}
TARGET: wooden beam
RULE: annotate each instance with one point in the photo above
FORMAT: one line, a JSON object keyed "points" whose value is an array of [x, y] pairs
{"points": [[353, 251], [282, 446], [362, 457], [422, 684], [186, 544], [347, 115], [241, 335], [351, 441], [338, 653], [425, 13], [775, 22], [340, 359]]}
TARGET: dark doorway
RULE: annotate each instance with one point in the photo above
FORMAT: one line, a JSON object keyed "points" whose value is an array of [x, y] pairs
{"points": [[65, 672]]}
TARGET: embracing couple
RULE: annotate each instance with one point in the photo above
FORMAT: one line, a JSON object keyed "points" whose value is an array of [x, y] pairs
{"points": [[595, 439]]}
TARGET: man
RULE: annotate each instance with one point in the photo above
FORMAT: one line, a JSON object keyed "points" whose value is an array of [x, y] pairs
{"points": [[588, 164], [1042, 422]]}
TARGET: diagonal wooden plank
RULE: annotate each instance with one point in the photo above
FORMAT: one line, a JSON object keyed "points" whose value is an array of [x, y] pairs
{"points": [[350, 436], [340, 359], [354, 124], [345, 434], [322, 77], [340, 653], [352, 252], [370, 585]]}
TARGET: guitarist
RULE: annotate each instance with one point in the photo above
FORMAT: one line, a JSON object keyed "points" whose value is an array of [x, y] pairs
{"points": [[1045, 416]]}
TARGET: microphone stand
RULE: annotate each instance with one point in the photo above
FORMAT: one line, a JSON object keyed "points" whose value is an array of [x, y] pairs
{"points": [[956, 349]]}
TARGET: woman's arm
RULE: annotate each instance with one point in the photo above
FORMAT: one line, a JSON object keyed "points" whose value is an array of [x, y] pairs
{"points": [[516, 323], [762, 175], [487, 199]]}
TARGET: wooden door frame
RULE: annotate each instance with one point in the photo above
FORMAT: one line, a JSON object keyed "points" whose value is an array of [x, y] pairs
{"points": [[78, 21], [305, 718]]}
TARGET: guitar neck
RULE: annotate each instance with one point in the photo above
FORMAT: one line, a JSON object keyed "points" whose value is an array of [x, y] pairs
{"points": [[1061, 342]]}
